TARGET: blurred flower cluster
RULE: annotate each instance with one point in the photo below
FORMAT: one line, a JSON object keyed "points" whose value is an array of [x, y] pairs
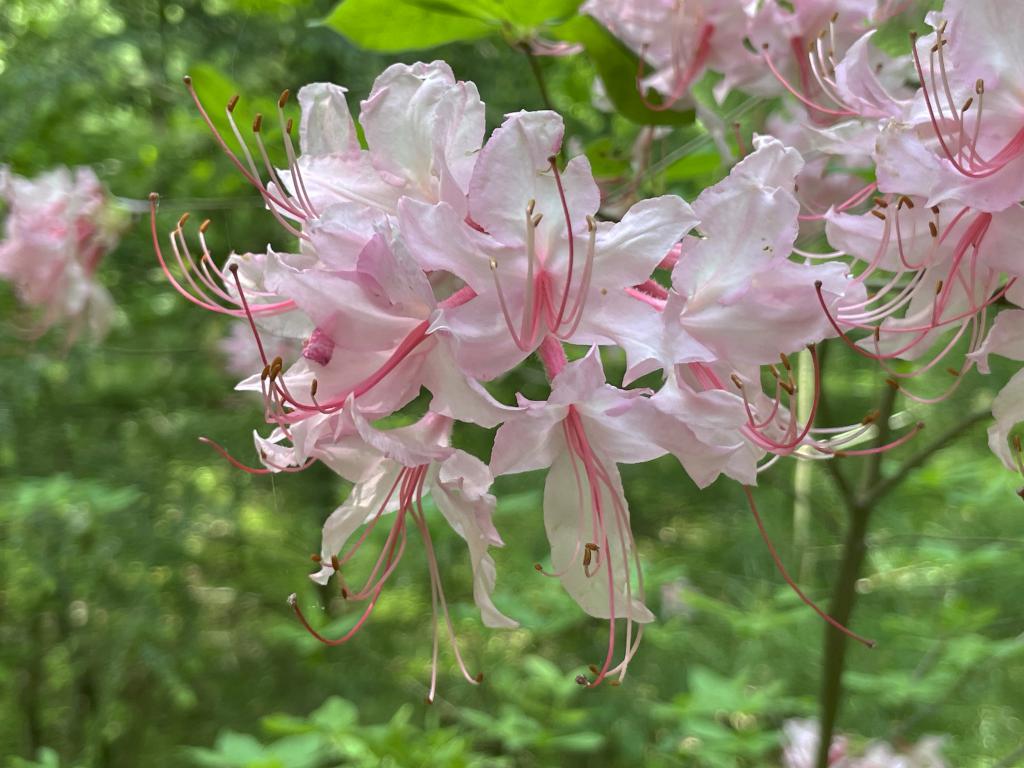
{"points": [[58, 228], [801, 746]]}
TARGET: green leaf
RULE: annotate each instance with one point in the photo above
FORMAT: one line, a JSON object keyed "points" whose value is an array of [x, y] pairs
{"points": [[617, 66], [391, 26]]}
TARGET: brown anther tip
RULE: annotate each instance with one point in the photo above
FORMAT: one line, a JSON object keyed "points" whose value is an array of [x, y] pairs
{"points": [[840, 454], [266, 373], [233, 269], [938, 287], [785, 361], [479, 677], [835, 17], [933, 229], [154, 197], [967, 104], [538, 567], [553, 160], [774, 372], [288, 126], [881, 202], [315, 558], [764, 46], [182, 219], [913, 36], [312, 388], [878, 214], [919, 426], [737, 381], [187, 80], [893, 384], [935, 210], [263, 454], [1020, 492], [283, 98], [582, 680], [335, 564], [257, 123], [790, 389], [979, 87], [594, 669], [232, 103], [953, 372], [428, 701], [204, 226], [344, 594], [907, 201], [591, 546], [614, 683]]}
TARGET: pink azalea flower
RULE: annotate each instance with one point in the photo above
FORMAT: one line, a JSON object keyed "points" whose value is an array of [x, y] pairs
{"points": [[964, 141], [394, 471], [737, 296], [58, 228], [533, 254]]}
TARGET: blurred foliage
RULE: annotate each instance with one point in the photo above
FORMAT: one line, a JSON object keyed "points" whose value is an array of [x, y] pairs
{"points": [[143, 581]]}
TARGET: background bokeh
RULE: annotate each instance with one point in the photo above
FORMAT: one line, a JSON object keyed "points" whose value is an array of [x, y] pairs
{"points": [[143, 580]]}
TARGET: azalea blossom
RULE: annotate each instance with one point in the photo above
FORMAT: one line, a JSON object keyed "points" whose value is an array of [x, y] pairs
{"points": [[57, 230], [394, 471]]}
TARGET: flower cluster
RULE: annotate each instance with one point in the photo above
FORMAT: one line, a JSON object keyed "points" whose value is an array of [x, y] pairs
{"points": [[801, 746], [932, 238], [58, 228], [432, 257]]}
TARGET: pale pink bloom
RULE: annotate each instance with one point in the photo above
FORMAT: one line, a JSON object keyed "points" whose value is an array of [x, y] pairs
{"points": [[964, 141], [373, 339], [58, 228], [394, 471], [584, 429], [737, 295], [800, 745], [534, 255], [925, 754]]}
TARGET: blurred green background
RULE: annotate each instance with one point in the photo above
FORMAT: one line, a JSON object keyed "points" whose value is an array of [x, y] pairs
{"points": [[143, 581]]}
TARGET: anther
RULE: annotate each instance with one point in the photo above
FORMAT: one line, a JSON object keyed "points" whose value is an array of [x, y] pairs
{"points": [[479, 677], [967, 104], [187, 81], [979, 87], [538, 567], [953, 372], [904, 200], [933, 229], [344, 594], [312, 388], [835, 17], [582, 680], [232, 103], [233, 269], [154, 197], [878, 214], [335, 563], [789, 387], [204, 226], [283, 99], [183, 219], [288, 126], [938, 288], [935, 210], [893, 384], [257, 123], [593, 668], [785, 361], [881, 202], [736, 380], [530, 205], [266, 372]]}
